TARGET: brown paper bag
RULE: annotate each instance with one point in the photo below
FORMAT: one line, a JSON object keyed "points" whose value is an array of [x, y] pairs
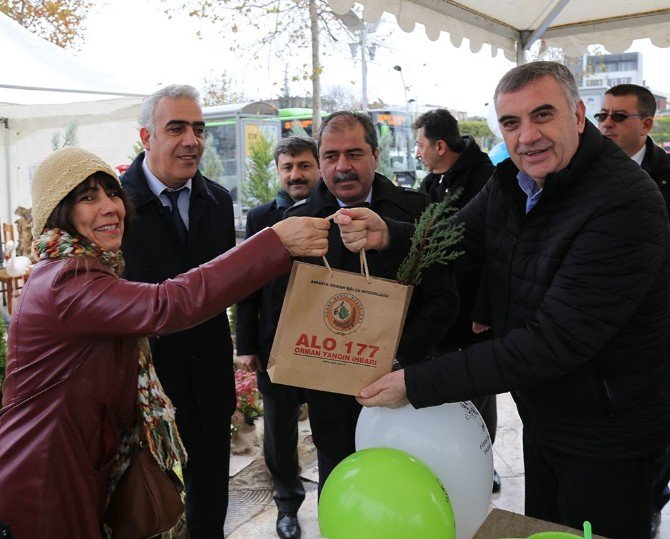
{"points": [[337, 331]]}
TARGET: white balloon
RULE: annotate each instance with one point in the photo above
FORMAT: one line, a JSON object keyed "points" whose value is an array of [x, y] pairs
{"points": [[452, 439], [492, 120]]}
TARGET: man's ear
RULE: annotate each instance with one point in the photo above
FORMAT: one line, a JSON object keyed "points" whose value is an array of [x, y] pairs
{"points": [[375, 154], [581, 116], [145, 137], [647, 124], [441, 147]]}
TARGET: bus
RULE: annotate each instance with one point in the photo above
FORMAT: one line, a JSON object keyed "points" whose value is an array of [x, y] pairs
{"points": [[396, 139], [397, 156], [229, 132], [231, 128], [297, 121]]}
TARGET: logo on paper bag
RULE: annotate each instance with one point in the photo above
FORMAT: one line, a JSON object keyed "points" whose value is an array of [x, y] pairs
{"points": [[343, 314]]}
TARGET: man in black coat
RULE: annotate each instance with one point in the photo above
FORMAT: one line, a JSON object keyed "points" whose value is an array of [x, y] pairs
{"points": [[576, 241], [627, 117], [455, 161], [348, 157], [458, 164], [182, 219], [297, 163]]}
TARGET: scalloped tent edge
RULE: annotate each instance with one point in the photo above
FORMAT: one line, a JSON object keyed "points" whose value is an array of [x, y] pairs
{"points": [[512, 26]]}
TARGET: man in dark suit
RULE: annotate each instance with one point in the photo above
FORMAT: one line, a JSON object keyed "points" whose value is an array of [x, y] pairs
{"points": [[576, 244], [348, 157], [627, 117], [183, 220], [298, 170], [456, 162]]}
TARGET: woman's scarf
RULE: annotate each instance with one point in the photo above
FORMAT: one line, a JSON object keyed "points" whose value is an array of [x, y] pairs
{"points": [[156, 426]]}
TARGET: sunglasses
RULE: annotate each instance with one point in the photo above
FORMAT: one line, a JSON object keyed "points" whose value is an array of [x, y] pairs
{"points": [[617, 117]]}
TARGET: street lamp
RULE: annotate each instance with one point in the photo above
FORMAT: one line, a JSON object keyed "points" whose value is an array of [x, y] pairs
{"points": [[360, 30], [408, 144], [402, 79]]}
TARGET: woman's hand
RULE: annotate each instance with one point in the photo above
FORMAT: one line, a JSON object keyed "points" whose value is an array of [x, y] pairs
{"points": [[303, 236]]}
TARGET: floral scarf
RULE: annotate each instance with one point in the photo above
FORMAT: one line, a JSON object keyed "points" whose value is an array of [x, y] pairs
{"points": [[156, 425]]}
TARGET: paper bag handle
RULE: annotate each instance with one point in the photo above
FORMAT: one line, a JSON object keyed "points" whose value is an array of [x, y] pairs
{"points": [[364, 260], [364, 265]]}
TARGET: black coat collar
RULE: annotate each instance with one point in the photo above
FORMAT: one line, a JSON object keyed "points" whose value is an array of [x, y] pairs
{"points": [[322, 202], [135, 182]]}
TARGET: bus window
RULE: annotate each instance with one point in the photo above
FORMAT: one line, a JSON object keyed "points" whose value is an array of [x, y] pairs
{"points": [[296, 128], [297, 122], [396, 145]]}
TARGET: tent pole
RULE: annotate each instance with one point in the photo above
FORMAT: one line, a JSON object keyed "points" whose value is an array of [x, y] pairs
{"points": [[8, 181], [527, 38], [520, 52], [542, 27], [71, 90]]}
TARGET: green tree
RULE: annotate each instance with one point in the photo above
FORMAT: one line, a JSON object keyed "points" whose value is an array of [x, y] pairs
{"points": [[59, 21], [661, 130], [138, 148], [211, 165], [475, 128], [298, 130], [261, 184], [479, 130], [69, 138], [385, 142]]}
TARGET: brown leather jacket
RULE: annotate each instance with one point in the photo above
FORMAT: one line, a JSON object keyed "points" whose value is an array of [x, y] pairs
{"points": [[71, 381]]}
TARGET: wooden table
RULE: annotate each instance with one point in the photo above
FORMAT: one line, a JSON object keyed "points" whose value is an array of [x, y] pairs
{"points": [[505, 524]]}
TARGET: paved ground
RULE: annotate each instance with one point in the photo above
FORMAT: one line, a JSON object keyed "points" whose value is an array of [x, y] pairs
{"points": [[252, 513]]}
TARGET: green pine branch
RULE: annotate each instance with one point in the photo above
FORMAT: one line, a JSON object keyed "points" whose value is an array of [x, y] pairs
{"points": [[433, 238]]}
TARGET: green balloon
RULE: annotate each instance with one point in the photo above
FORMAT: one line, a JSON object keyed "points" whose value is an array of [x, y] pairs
{"points": [[383, 493]]}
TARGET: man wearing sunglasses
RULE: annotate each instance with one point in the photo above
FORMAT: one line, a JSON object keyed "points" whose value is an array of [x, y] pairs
{"points": [[626, 117]]}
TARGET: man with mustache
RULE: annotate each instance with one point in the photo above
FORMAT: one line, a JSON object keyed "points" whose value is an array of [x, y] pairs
{"points": [[627, 117], [182, 220], [298, 170], [348, 157], [576, 241]]}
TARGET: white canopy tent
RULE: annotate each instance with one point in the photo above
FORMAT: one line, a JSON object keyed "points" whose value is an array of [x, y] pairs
{"points": [[513, 25], [33, 70], [43, 90]]}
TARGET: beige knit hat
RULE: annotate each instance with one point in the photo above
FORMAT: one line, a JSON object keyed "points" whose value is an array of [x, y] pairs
{"points": [[59, 174]]}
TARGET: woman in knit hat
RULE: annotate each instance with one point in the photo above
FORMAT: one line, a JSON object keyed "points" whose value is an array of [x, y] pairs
{"points": [[80, 388]]}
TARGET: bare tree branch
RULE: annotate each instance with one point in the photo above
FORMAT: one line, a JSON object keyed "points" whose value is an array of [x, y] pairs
{"points": [[59, 21]]}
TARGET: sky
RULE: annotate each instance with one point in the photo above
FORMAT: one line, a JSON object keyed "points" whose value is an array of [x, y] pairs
{"points": [[135, 40]]}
